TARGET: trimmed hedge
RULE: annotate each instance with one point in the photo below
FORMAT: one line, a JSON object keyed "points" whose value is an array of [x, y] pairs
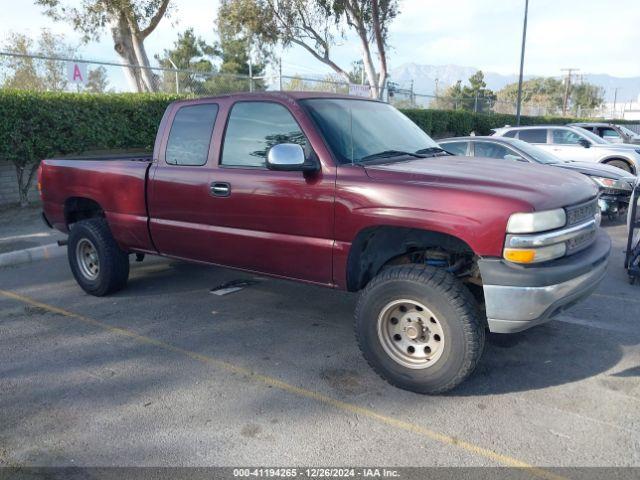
{"points": [[36, 125]]}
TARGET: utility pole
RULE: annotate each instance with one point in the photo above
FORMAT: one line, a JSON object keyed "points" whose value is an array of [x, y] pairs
{"points": [[524, 41], [615, 99], [567, 88]]}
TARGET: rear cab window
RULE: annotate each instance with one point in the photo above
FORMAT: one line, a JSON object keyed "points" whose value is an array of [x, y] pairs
{"points": [[190, 134], [253, 128]]}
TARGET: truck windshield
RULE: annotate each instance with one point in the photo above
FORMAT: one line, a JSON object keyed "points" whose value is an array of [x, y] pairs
{"points": [[361, 131]]}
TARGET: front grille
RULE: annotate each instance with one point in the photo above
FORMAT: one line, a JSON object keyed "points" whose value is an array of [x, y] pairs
{"points": [[581, 213], [580, 242]]}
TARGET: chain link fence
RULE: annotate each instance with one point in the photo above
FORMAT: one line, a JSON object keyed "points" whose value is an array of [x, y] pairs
{"points": [[37, 72]]}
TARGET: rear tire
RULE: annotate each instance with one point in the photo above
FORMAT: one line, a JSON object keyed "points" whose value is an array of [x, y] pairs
{"points": [[621, 164], [99, 266], [419, 328]]}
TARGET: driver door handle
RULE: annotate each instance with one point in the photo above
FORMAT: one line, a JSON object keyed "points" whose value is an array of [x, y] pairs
{"points": [[220, 189]]}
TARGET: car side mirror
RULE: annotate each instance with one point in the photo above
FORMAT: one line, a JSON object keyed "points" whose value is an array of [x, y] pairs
{"points": [[584, 142], [289, 157], [514, 157]]}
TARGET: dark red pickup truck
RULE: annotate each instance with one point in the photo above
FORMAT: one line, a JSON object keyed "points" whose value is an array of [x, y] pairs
{"points": [[350, 194]]}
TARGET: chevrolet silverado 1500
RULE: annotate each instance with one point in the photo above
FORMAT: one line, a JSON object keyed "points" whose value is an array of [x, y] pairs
{"points": [[350, 194]]}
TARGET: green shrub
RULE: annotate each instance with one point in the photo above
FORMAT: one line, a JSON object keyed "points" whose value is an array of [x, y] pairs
{"points": [[37, 125]]}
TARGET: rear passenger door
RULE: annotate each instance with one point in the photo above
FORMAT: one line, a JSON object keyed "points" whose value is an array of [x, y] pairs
{"points": [[178, 194]]}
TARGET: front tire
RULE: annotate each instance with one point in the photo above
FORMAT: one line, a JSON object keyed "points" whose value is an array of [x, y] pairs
{"points": [[99, 266], [419, 328], [621, 164]]}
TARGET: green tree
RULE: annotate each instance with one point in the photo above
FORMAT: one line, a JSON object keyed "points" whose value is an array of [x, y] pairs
{"points": [[27, 73], [314, 25], [474, 97], [131, 22], [545, 95], [585, 96], [191, 53], [97, 81]]}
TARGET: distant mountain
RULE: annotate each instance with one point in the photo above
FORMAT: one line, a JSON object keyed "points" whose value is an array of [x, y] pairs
{"points": [[424, 78]]}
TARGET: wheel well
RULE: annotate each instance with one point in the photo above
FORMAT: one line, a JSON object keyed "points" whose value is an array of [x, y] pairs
{"points": [[630, 164], [79, 208], [376, 247]]}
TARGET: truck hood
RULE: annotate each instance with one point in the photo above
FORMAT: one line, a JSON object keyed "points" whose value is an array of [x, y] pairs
{"points": [[597, 170], [541, 187]]}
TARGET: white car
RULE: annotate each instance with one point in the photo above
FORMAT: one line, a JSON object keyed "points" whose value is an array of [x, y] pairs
{"points": [[577, 144]]}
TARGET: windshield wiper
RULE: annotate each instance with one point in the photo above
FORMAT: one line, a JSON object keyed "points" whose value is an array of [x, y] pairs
{"points": [[390, 154], [432, 151]]}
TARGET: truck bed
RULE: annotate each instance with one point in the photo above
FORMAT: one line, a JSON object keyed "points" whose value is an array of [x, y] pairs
{"points": [[116, 181]]}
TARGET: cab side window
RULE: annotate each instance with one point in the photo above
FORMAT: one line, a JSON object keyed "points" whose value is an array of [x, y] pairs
{"points": [[492, 150], [457, 148], [533, 135], [565, 137], [190, 135], [609, 134], [253, 128]]}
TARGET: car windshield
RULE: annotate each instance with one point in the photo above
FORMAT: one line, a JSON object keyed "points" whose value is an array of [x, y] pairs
{"points": [[631, 133], [361, 131], [591, 136], [538, 154]]}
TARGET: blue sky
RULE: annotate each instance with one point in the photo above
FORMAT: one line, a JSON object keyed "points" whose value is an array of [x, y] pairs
{"points": [[596, 36]]}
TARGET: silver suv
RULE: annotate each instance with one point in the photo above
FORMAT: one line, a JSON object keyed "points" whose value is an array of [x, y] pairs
{"points": [[577, 144]]}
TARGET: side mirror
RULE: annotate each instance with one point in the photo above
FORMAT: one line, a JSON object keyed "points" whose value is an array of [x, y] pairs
{"points": [[514, 157], [584, 142], [289, 157]]}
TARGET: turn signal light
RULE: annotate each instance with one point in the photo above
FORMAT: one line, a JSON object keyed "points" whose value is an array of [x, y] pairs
{"points": [[517, 255]]}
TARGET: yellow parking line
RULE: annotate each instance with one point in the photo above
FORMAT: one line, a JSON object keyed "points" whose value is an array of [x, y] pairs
{"points": [[299, 391]]}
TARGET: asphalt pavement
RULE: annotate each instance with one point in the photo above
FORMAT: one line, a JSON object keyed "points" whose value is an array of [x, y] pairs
{"points": [[165, 373]]}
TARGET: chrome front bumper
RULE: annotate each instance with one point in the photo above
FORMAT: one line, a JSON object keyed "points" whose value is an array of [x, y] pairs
{"points": [[519, 298]]}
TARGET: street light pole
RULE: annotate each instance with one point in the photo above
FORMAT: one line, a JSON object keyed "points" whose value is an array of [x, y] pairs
{"points": [[524, 40]]}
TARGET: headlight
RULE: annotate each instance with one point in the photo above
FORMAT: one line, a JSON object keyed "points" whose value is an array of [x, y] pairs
{"points": [[536, 221], [611, 183]]}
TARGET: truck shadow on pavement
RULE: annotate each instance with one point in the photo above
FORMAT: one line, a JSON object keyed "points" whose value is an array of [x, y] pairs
{"points": [[549, 355]]}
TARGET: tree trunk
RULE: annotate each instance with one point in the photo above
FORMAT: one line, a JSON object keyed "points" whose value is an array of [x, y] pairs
{"points": [[147, 74], [24, 175], [369, 68], [122, 44], [380, 42]]}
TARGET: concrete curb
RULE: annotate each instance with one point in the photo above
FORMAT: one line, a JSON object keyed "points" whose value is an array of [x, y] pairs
{"points": [[29, 255]]}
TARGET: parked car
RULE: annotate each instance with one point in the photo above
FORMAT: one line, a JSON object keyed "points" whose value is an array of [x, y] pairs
{"points": [[610, 132], [615, 184], [350, 194], [572, 143]]}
